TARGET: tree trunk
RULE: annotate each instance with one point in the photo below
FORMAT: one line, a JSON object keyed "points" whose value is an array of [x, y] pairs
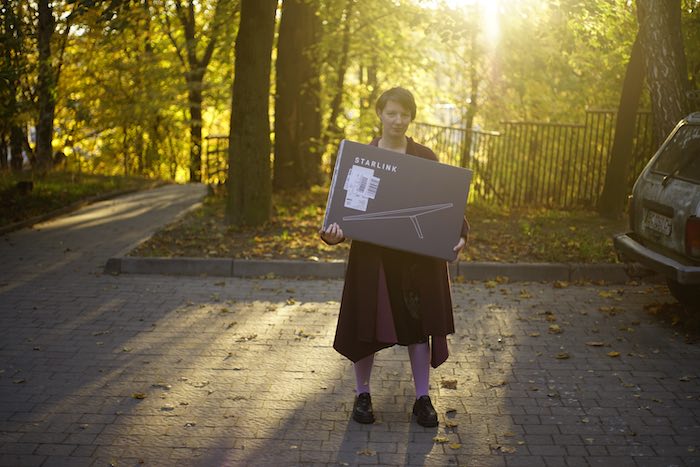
{"points": [[3, 153], [195, 103], [612, 200], [297, 104], [196, 67], [125, 150], [664, 60], [332, 130], [16, 144], [249, 200], [473, 105], [46, 87]]}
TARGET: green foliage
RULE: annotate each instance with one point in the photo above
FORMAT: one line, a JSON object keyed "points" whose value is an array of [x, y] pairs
{"points": [[122, 103]]}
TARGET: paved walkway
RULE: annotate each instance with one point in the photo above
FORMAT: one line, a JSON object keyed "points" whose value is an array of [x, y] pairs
{"points": [[102, 370]]}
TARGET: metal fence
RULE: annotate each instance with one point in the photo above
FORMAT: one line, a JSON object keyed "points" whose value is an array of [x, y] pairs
{"points": [[539, 164], [523, 164], [215, 164]]}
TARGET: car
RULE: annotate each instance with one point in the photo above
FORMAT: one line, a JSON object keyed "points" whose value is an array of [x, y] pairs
{"points": [[664, 213]]}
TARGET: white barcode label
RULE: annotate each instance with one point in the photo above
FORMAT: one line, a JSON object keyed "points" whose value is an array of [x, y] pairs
{"points": [[361, 185], [372, 188]]}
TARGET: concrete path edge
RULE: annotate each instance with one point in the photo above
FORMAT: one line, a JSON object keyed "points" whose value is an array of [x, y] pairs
{"points": [[230, 267]]}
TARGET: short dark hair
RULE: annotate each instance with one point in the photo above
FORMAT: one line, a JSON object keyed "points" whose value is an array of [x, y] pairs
{"points": [[398, 94]]}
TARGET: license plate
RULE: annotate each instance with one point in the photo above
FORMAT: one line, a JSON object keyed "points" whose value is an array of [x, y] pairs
{"points": [[658, 223]]}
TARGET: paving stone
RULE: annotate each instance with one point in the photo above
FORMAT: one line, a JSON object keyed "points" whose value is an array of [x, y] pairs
{"points": [[167, 370]]}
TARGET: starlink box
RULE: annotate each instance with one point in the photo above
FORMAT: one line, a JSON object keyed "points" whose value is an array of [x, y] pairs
{"points": [[397, 200]]}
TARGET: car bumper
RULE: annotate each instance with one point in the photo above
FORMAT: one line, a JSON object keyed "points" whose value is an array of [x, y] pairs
{"points": [[633, 250]]}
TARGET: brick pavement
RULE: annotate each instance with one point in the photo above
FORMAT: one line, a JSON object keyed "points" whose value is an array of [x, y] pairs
{"points": [[155, 370]]}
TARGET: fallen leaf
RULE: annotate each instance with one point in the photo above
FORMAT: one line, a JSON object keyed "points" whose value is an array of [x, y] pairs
{"points": [[247, 338], [554, 329], [497, 384], [563, 356], [613, 354], [161, 386], [611, 310], [686, 378], [138, 395], [441, 439], [366, 452], [534, 334], [455, 445], [525, 294], [595, 343], [507, 449], [448, 384]]}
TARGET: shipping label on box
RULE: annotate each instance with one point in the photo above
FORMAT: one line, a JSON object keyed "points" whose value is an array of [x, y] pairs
{"points": [[397, 200]]}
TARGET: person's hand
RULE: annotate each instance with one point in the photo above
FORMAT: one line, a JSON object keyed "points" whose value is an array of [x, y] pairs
{"points": [[460, 245], [332, 235]]}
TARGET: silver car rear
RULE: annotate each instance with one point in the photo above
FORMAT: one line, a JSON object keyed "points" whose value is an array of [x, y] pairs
{"points": [[665, 211]]}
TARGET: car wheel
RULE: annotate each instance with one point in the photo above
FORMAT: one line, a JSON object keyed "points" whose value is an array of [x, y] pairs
{"points": [[687, 294]]}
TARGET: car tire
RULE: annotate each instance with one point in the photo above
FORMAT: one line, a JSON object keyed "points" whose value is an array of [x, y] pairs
{"points": [[687, 294]]}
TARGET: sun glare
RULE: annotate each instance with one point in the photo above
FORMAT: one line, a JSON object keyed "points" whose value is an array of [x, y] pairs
{"points": [[489, 10]]}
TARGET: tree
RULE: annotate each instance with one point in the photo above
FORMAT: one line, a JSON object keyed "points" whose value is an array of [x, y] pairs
{"points": [[664, 60], [249, 200], [612, 200], [333, 130], [14, 87], [297, 104], [120, 99], [195, 57], [46, 85]]}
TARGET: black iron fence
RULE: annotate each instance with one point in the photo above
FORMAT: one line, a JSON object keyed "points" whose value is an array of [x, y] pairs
{"points": [[538, 164], [523, 164], [215, 163]]}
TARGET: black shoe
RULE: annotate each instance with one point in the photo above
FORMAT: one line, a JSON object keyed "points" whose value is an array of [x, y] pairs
{"points": [[424, 412], [362, 410]]}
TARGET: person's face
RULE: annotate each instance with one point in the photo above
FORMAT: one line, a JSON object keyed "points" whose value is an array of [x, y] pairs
{"points": [[395, 119]]}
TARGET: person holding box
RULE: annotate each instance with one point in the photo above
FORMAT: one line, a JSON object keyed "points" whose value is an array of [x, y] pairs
{"points": [[394, 297]]}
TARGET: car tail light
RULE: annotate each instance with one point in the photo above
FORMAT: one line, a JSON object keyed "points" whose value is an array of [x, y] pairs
{"points": [[692, 237]]}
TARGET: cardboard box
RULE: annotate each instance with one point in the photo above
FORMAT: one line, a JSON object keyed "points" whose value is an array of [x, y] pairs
{"points": [[397, 200]]}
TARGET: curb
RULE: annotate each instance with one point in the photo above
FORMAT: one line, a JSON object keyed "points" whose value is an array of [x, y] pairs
{"points": [[229, 267]]}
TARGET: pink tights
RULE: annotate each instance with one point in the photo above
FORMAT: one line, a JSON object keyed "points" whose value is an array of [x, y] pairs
{"points": [[419, 355]]}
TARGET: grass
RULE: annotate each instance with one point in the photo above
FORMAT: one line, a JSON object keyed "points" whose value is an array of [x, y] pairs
{"points": [[56, 190], [497, 234]]}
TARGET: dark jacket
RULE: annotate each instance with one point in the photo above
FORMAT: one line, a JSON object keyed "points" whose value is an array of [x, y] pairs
{"points": [[356, 331]]}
